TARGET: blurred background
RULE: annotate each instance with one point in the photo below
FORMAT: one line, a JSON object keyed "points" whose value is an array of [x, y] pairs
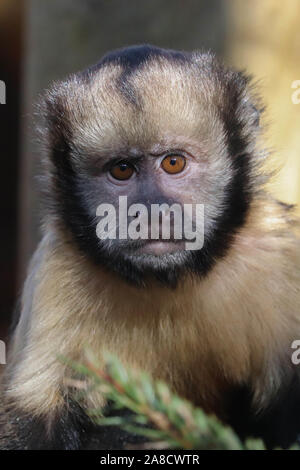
{"points": [[43, 40]]}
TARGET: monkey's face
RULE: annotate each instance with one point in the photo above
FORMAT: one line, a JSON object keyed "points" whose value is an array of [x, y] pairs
{"points": [[159, 131]]}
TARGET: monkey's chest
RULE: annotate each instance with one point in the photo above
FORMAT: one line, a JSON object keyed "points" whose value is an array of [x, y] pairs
{"points": [[189, 373]]}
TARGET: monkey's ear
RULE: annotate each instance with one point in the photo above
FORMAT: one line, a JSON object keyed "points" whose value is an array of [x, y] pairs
{"points": [[240, 110], [250, 104], [256, 115], [53, 118]]}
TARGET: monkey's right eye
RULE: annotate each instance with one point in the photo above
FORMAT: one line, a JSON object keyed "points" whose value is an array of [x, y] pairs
{"points": [[122, 171]]}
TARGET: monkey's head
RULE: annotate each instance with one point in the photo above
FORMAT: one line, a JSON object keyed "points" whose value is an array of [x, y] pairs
{"points": [[159, 127]]}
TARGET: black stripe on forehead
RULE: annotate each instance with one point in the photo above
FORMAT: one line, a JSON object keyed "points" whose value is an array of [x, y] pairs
{"points": [[133, 58]]}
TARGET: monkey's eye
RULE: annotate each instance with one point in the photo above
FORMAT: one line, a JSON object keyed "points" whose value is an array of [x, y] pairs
{"points": [[122, 171], [173, 164]]}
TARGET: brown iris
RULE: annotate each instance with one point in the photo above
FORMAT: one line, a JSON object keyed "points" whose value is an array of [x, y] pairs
{"points": [[173, 164], [122, 171]]}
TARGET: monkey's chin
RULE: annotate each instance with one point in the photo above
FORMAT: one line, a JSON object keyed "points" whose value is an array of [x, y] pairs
{"points": [[160, 247], [140, 261]]}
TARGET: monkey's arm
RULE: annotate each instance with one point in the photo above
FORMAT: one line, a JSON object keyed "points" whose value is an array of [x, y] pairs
{"points": [[71, 431], [19, 430]]}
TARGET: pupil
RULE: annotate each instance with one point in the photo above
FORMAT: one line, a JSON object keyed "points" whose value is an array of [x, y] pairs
{"points": [[123, 166], [173, 161]]}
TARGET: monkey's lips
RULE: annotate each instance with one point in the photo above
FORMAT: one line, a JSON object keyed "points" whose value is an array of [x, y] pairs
{"points": [[161, 247]]}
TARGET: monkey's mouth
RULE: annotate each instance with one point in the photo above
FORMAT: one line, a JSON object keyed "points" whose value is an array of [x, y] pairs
{"points": [[150, 246], [160, 247]]}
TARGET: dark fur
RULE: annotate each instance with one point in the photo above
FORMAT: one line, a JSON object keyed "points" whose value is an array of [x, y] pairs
{"points": [[277, 425], [72, 431]]}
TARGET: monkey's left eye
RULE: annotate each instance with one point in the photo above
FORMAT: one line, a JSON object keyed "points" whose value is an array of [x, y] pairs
{"points": [[122, 171], [173, 164]]}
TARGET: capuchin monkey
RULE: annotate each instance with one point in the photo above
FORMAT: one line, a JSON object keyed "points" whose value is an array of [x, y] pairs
{"points": [[215, 323]]}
